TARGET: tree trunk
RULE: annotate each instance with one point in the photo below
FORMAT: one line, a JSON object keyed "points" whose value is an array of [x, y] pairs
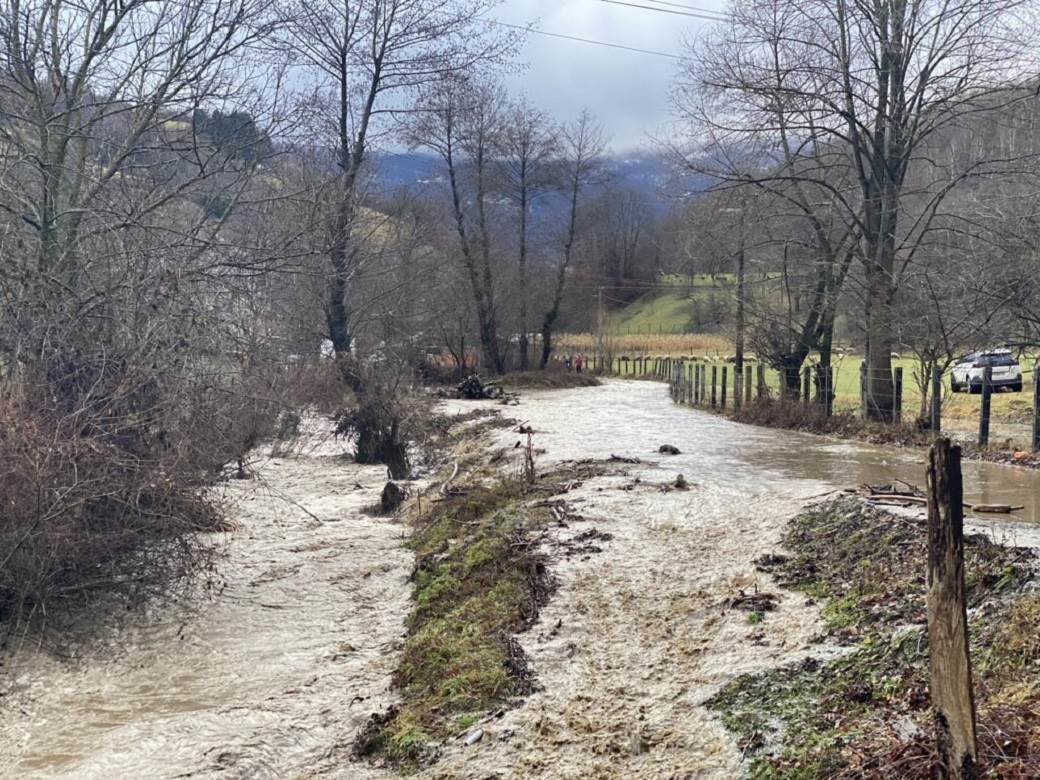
{"points": [[523, 277], [738, 359], [825, 347], [880, 397]]}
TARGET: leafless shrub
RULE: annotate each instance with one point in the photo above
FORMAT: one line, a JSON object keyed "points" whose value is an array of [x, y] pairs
{"points": [[100, 496]]}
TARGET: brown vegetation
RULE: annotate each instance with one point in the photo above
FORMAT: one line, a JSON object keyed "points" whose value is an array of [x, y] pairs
{"points": [[103, 470], [552, 378]]}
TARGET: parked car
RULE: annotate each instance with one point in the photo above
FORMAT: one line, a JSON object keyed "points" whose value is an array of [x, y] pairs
{"points": [[968, 370]]}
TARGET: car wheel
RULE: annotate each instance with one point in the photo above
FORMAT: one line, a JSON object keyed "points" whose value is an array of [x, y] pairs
{"points": [[975, 389], [1016, 388], [954, 387]]}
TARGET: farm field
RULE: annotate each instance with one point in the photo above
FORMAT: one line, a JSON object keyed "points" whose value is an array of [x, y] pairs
{"points": [[1007, 407]]}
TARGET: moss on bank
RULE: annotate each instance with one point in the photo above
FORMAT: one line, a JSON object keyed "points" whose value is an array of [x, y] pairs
{"points": [[480, 578], [866, 713], [478, 581]]}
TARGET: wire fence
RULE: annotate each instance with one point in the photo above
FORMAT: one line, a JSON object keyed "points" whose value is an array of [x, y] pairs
{"points": [[991, 412]]}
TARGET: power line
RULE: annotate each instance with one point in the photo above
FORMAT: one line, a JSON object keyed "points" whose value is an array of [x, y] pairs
{"points": [[584, 40], [717, 14], [691, 14]]}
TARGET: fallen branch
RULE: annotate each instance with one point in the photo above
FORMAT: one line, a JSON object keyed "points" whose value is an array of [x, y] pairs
{"points": [[996, 509]]}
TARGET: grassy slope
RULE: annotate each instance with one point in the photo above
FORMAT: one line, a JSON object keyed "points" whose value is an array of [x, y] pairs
{"points": [[669, 311]]}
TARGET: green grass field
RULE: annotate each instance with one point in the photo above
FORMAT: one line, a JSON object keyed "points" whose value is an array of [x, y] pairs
{"points": [[668, 311]]}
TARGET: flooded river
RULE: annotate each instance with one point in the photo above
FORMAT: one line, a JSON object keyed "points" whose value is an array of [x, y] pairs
{"points": [[269, 677], [272, 675]]}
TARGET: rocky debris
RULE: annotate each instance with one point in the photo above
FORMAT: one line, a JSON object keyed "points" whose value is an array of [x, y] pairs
{"points": [[392, 497], [752, 602], [767, 563], [585, 543], [668, 449], [473, 737], [622, 459], [475, 389], [681, 483]]}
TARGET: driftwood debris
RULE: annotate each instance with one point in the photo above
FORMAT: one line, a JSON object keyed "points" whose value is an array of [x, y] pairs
{"points": [[446, 487], [996, 509], [890, 495], [475, 389]]}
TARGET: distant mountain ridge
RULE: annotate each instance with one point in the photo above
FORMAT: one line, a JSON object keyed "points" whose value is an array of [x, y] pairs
{"points": [[648, 173]]}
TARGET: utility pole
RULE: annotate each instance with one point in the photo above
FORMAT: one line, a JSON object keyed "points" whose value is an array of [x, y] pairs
{"points": [[599, 327], [738, 358]]}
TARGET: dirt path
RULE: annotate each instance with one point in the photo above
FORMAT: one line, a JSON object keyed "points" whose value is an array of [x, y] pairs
{"points": [[270, 678]]}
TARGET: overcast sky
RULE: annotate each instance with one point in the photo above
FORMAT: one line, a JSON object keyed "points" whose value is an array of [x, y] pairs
{"points": [[628, 91]]}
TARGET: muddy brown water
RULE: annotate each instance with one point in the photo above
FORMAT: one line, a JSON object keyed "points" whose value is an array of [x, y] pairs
{"points": [[267, 679], [273, 676]]}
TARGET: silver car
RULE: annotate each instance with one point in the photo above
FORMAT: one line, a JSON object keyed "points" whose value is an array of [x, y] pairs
{"points": [[968, 371]]}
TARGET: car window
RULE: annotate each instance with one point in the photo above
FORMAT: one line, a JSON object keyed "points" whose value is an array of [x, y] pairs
{"points": [[998, 360]]}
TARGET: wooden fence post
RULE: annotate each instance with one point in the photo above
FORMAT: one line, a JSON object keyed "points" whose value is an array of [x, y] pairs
{"points": [[761, 381], [1036, 405], [829, 390], [863, 389], [806, 385], [738, 387], [747, 385], [936, 421], [714, 385], [987, 393], [725, 369], [897, 410], [689, 384], [953, 699], [704, 382]]}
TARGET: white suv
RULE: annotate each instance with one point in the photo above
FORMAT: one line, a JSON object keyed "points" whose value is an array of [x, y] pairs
{"points": [[967, 372]]}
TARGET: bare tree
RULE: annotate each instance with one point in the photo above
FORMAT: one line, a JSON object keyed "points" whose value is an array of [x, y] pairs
{"points": [[138, 359], [526, 154], [369, 60], [461, 122], [582, 152], [868, 84]]}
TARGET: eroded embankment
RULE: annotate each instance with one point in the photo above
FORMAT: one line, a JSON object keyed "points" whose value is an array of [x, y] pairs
{"points": [[266, 675], [868, 714]]}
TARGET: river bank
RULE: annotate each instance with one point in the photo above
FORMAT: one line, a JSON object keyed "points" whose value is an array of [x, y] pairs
{"points": [[265, 674]]}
